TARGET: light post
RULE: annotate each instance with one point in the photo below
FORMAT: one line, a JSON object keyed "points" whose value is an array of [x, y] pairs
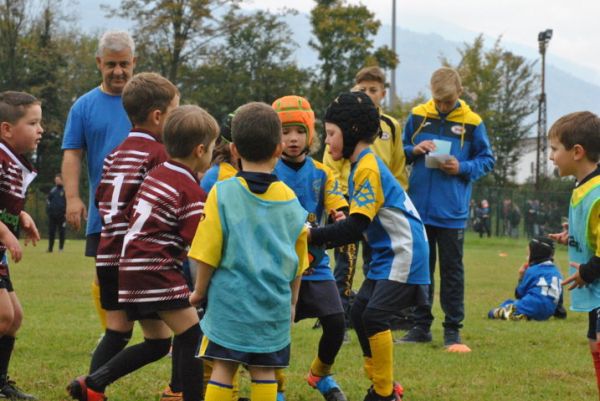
{"points": [[542, 141], [393, 80]]}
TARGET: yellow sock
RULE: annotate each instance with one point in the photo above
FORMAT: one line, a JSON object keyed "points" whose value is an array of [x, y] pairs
{"points": [[280, 378], [207, 372], [263, 390], [318, 368], [235, 392], [368, 366], [96, 297], [382, 351], [217, 392]]}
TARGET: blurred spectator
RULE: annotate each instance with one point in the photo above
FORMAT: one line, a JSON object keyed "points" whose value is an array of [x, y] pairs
{"points": [[56, 208]]}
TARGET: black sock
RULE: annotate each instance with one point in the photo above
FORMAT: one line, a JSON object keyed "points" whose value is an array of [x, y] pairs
{"points": [[110, 345], [190, 368], [127, 361], [332, 338], [175, 383], [7, 344]]}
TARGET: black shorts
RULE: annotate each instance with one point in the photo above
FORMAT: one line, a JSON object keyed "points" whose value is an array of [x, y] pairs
{"points": [[5, 281], [278, 359], [392, 296], [594, 324], [149, 310], [91, 244], [108, 279], [317, 299]]}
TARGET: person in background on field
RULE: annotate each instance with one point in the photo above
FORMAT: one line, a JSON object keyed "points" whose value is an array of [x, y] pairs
{"points": [[445, 125], [483, 217], [20, 133], [55, 209], [575, 151], [97, 123], [538, 293]]}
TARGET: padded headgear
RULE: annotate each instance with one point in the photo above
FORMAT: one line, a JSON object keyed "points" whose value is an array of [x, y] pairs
{"points": [[295, 110], [541, 249], [357, 117], [225, 128]]}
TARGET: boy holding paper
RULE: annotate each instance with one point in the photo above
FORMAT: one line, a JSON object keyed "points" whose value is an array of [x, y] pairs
{"points": [[447, 144]]}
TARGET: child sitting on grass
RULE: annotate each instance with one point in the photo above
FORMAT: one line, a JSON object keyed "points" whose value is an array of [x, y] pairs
{"points": [[539, 292]]}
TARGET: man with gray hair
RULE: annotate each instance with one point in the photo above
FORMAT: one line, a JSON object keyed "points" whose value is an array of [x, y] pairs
{"points": [[97, 123]]}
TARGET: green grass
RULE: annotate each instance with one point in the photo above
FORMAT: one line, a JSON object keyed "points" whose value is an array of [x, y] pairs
{"points": [[524, 361]]}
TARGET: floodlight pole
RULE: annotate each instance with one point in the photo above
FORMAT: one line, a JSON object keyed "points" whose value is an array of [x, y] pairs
{"points": [[393, 79], [541, 165]]}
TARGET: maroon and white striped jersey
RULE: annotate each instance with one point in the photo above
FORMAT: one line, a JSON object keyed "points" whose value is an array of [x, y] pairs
{"points": [[123, 171], [16, 173], [166, 214]]}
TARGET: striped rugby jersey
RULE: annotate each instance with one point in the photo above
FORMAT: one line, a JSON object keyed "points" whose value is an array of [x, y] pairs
{"points": [[167, 210], [17, 173], [122, 174]]}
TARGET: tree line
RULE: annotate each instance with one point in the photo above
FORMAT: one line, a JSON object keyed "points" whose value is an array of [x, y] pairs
{"points": [[221, 56]]}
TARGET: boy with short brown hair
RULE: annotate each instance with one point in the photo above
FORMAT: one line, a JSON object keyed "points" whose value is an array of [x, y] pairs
{"points": [[575, 151], [20, 132]]}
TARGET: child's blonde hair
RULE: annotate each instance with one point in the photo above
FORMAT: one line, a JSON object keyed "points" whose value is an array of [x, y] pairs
{"points": [[579, 128], [445, 83], [187, 127], [373, 73]]}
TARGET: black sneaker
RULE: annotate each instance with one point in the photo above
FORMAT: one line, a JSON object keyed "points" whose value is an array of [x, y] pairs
{"points": [[12, 392], [373, 396], [416, 335], [560, 312]]}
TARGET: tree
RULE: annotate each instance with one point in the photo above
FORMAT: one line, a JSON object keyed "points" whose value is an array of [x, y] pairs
{"points": [[12, 25], [172, 33], [343, 38], [254, 64], [500, 86]]}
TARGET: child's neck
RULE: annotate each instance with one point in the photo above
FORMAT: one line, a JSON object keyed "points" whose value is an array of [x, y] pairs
{"points": [[259, 167], [360, 146], [190, 162], [148, 127], [298, 159], [586, 168]]}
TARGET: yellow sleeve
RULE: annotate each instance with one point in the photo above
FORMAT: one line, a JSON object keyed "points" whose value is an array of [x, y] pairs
{"points": [[334, 196], [398, 165], [207, 244], [302, 251], [368, 197], [594, 228], [340, 170]]}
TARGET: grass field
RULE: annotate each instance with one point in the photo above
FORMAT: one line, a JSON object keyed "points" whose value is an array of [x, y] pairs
{"points": [[523, 361]]}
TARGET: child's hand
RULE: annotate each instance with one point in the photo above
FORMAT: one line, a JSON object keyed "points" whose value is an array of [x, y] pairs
{"points": [[28, 225], [12, 244], [575, 280], [196, 299], [450, 166], [562, 237], [336, 215]]}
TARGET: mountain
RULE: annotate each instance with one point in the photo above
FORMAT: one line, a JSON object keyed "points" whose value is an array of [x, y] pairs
{"points": [[419, 55]]}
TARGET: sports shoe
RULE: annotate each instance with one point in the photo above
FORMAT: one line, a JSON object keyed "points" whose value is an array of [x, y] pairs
{"points": [[398, 391], [78, 390], [327, 387], [280, 396], [453, 342], [12, 392], [416, 335], [170, 395], [346, 337], [373, 396]]}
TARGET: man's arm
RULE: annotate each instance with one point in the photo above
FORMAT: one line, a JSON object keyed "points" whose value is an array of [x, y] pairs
{"points": [[71, 171]]}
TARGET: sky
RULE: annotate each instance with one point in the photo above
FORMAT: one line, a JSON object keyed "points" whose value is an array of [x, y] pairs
{"points": [[574, 46]]}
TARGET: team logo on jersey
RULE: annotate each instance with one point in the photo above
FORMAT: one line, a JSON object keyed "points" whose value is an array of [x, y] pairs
{"points": [[311, 218], [316, 186], [336, 189], [457, 129], [573, 243], [364, 195], [385, 136]]}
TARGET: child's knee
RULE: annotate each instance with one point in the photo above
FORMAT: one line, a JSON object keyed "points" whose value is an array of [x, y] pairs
{"points": [[7, 321]]}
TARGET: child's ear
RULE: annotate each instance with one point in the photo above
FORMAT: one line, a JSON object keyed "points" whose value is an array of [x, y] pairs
{"points": [[278, 151], [200, 150], [5, 130], [578, 152]]}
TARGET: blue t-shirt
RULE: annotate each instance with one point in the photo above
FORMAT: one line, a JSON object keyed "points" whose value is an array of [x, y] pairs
{"points": [[97, 123], [539, 291]]}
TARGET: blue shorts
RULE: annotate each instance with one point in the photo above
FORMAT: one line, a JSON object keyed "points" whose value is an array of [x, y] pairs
{"points": [[278, 359]]}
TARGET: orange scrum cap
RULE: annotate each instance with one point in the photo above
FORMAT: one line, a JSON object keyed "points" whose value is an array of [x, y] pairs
{"points": [[295, 110]]}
